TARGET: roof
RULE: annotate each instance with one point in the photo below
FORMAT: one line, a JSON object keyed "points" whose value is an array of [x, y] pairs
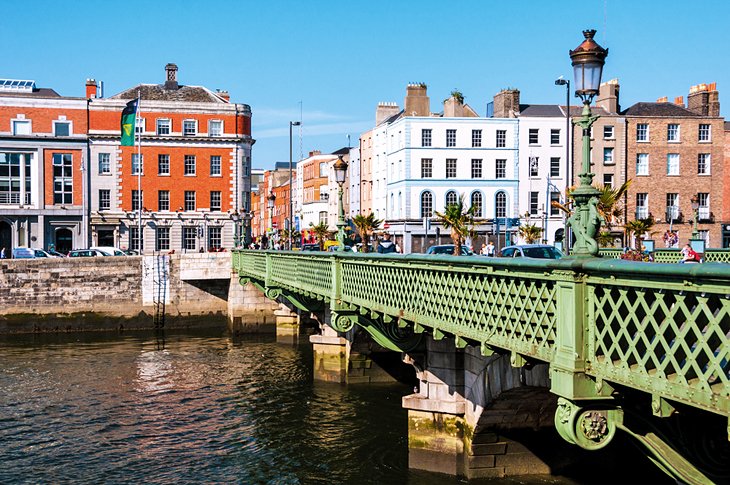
{"points": [[577, 111], [342, 151], [393, 118], [36, 93], [158, 92], [658, 109], [541, 110], [727, 126]]}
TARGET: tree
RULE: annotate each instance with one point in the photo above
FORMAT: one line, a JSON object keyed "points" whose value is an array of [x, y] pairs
{"points": [[459, 220], [530, 233], [321, 232], [365, 225], [638, 228]]}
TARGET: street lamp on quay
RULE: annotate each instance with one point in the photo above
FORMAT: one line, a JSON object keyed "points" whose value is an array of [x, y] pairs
{"points": [[568, 166], [291, 196], [340, 167], [270, 201], [588, 60], [696, 242]]}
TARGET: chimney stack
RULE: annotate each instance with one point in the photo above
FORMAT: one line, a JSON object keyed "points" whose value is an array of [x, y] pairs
{"points": [[454, 106], [608, 96], [91, 89], [315, 152], [704, 100], [171, 76], [507, 103], [662, 100], [417, 102], [224, 95], [385, 111], [679, 101]]}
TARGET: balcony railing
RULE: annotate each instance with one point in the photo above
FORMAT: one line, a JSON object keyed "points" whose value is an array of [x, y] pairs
{"points": [[10, 198]]}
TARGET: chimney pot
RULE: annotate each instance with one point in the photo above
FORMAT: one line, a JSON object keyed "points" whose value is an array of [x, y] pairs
{"points": [[91, 89], [171, 76]]}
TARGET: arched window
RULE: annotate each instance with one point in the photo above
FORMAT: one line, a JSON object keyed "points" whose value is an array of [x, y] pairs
{"points": [[476, 203], [500, 204], [451, 198], [427, 204]]}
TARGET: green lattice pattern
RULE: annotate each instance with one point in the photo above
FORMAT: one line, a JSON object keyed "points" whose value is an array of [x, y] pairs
{"points": [[667, 256], [306, 275], [252, 263], [512, 312], [611, 253], [717, 256], [670, 340]]}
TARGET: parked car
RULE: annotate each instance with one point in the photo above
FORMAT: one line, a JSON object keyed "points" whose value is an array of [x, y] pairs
{"points": [[84, 253], [131, 252], [538, 251], [56, 254], [110, 250], [334, 248], [30, 253], [449, 249], [310, 247]]}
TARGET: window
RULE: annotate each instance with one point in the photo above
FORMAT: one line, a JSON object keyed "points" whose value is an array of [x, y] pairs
{"points": [[426, 137], [500, 168], [215, 165], [139, 126], [215, 128], [189, 236], [62, 178], [608, 132], [703, 164], [501, 138], [534, 166], [704, 209], [450, 168], [189, 200], [137, 202], [642, 132], [322, 169], [215, 201], [162, 239], [426, 168], [672, 206], [500, 205], [105, 199], [324, 192], [21, 127], [214, 237], [642, 164], [61, 128], [134, 240], [476, 203], [426, 204], [476, 168], [163, 164], [137, 161], [555, 137], [673, 164], [642, 205], [450, 138], [705, 133], [554, 197], [608, 156], [534, 198], [451, 198], [163, 200], [323, 217], [672, 132], [164, 126], [534, 136], [476, 138], [189, 165], [555, 167], [190, 127], [10, 178], [105, 167], [608, 179]]}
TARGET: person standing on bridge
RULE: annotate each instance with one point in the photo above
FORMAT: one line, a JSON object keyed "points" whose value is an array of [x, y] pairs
{"points": [[386, 245]]}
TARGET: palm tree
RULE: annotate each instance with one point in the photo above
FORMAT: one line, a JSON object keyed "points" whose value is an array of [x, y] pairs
{"points": [[638, 228], [460, 220], [321, 232], [530, 233], [365, 226], [609, 202]]}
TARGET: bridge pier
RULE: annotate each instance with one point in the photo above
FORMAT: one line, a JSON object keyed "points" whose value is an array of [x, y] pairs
{"points": [[249, 311], [287, 325]]}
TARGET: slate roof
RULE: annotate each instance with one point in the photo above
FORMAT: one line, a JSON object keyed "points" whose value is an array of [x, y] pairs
{"points": [[36, 93], [342, 151], [541, 110], [668, 110], [158, 92]]}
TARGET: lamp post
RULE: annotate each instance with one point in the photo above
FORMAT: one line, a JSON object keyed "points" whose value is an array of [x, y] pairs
{"points": [[588, 60], [235, 217], [568, 166], [340, 167], [696, 211], [291, 194], [270, 200]]}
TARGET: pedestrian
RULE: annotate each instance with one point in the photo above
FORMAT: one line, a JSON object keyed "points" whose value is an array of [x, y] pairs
{"points": [[386, 245], [490, 249], [2, 253], [689, 255]]}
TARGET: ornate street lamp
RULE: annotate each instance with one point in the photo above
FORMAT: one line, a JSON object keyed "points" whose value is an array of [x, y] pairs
{"points": [[340, 167], [588, 60], [695, 200], [270, 200]]}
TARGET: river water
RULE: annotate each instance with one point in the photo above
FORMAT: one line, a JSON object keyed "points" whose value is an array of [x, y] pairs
{"points": [[193, 408]]}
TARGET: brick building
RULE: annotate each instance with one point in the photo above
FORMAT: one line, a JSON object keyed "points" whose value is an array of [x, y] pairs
{"points": [[43, 169], [193, 168]]}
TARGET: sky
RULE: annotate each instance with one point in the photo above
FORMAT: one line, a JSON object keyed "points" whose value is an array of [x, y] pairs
{"points": [[329, 63]]}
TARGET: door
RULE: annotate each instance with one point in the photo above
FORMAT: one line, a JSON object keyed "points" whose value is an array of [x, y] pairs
{"points": [[64, 240], [6, 238]]}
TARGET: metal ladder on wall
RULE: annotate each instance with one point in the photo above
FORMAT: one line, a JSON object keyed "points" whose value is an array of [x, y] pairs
{"points": [[160, 281]]}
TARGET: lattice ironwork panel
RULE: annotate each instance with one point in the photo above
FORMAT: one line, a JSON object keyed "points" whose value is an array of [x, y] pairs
{"points": [[506, 310], [667, 256], [673, 340], [303, 273], [252, 263], [717, 256], [611, 253]]}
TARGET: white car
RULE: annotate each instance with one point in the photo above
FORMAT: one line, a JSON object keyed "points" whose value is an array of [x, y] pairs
{"points": [[110, 250]]}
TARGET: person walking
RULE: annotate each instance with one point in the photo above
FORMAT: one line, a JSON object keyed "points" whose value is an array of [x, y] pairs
{"points": [[490, 249], [2, 253], [386, 245]]}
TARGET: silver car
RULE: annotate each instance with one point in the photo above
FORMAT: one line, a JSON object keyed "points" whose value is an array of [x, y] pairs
{"points": [[538, 251]]}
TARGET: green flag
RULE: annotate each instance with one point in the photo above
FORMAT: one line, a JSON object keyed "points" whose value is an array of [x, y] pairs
{"points": [[129, 118]]}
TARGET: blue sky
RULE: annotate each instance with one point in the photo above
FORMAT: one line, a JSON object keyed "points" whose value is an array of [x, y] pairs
{"points": [[333, 61]]}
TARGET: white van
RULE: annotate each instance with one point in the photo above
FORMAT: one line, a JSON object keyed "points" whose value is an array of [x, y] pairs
{"points": [[110, 250], [29, 253]]}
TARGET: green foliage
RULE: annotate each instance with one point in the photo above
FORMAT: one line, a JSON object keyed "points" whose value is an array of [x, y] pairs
{"points": [[365, 226], [530, 233], [459, 220], [638, 228], [605, 239], [456, 94], [321, 232]]}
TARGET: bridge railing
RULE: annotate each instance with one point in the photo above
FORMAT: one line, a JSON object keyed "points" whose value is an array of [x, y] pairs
{"points": [[668, 255], [661, 329]]}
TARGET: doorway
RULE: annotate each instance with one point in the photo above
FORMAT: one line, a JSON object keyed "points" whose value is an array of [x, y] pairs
{"points": [[6, 238], [64, 240]]}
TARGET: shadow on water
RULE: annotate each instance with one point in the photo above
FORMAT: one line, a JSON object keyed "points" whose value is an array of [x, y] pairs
{"points": [[200, 407]]}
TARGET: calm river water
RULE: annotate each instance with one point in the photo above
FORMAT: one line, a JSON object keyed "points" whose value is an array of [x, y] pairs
{"points": [[196, 408]]}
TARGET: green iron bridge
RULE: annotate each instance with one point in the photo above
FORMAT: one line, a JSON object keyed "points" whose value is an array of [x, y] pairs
{"points": [[617, 335]]}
